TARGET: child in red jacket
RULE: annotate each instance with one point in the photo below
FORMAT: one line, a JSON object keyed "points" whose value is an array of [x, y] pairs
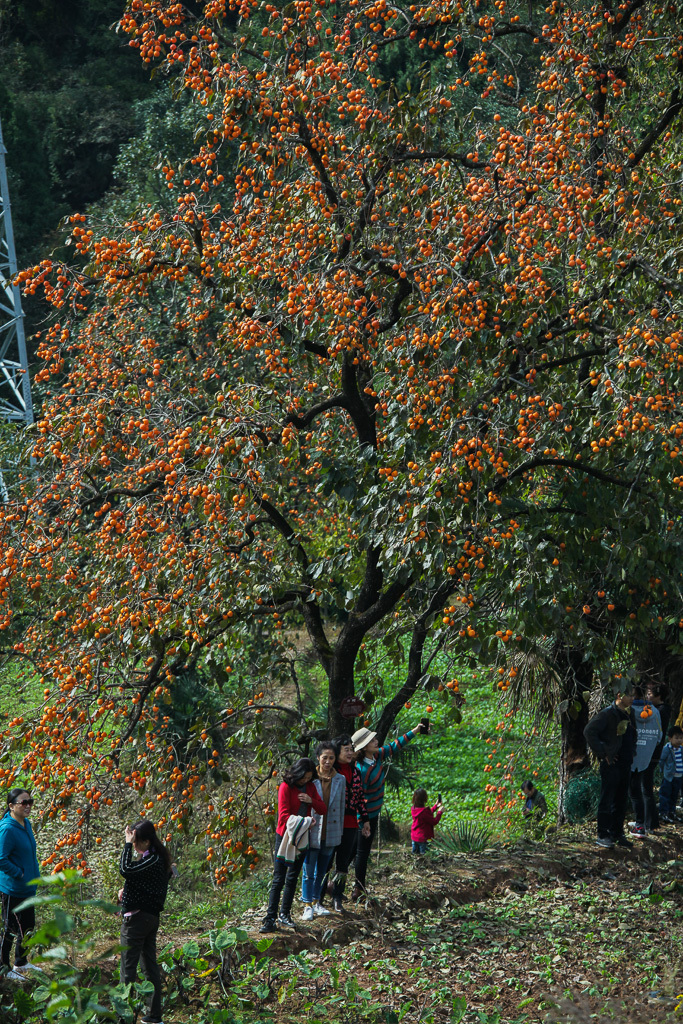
{"points": [[424, 820]]}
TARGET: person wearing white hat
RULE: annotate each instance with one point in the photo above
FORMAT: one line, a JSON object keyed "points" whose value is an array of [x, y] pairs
{"points": [[373, 763]]}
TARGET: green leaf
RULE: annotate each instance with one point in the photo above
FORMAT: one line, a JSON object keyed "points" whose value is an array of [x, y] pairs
{"points": [[458, 1009], [24, 1003]]}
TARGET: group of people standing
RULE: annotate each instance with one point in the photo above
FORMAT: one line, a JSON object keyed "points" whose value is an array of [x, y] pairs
{"points": [[328, 813], [628, 738]]}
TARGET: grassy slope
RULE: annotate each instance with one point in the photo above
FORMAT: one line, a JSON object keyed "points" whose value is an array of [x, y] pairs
{"points": [[454, 756]]}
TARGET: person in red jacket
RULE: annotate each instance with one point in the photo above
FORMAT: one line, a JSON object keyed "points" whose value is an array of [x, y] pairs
{"points": [[295, 797], [424, 820]]}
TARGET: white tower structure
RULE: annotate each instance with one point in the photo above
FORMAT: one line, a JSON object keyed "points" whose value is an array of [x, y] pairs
{"points": [[15, 385]]}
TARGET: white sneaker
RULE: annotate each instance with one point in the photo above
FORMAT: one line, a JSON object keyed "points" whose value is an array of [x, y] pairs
{"points": [[29, 967], [15, 976], [320, 911], [308, 913]]}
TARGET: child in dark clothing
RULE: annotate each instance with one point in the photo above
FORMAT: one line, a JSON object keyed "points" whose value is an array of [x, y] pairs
{"points": [[424, 820], [672, 775], [535, 804]]}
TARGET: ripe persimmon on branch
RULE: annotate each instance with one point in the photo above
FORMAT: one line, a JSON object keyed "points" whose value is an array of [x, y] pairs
{"points": [[318, 391]]}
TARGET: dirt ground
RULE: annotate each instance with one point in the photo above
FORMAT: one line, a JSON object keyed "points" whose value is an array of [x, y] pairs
{"points": [[566, 932]]}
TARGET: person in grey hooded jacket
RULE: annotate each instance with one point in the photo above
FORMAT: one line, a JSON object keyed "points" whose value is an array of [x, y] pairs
{"points": [[649, 730], [326, 834]]}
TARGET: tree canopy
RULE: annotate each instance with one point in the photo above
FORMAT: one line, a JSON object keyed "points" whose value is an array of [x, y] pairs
{"points": [[399, 354]]}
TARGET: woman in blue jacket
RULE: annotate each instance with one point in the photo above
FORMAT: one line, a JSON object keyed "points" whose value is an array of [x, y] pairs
{"points": [[18, 869]]}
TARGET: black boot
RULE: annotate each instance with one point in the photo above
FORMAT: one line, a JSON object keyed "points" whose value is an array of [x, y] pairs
{"points": [[267, 926]]}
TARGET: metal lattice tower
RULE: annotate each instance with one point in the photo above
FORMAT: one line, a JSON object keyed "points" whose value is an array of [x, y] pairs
{"points": [[15, 384]]}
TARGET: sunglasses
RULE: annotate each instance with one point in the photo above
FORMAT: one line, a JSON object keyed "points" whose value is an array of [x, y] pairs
{"points": [[24, 803]]}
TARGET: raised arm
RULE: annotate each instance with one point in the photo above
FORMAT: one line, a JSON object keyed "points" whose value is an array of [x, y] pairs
{"points": [[395, 745], [130, 868]]}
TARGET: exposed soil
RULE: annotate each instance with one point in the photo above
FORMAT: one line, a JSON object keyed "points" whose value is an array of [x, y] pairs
{"points": [[514, 931]]}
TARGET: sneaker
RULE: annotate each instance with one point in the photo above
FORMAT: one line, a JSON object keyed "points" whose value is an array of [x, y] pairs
{"points": [[151, 1020], [267, 927], [320, 911], [623, 841], [15, 976], [666, 819], [606, 844], [638, 832], [286, 921], [29, 967], [308, 913], [338, 906]]}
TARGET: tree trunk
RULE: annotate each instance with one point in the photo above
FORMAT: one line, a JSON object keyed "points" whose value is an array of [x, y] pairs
{"points": [[657, 665], [342, 685], [577, 679]]}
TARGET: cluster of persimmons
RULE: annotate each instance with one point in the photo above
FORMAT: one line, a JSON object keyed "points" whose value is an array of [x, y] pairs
{"points": [[371, 310]]}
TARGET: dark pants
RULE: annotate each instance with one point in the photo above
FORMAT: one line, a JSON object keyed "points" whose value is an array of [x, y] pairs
{"points": [[363, 852], [285, 877], [139, 942], [346, 851], [614, 786], [643, 799], [419, 847], [669, 792], [18, 924], [649, 781]]}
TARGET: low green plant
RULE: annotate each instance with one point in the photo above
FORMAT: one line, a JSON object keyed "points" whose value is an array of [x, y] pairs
{"points": [[464, 837], [72, 988]]}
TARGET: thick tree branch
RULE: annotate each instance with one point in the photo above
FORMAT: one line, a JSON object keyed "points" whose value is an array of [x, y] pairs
{"points": [[317, 161], [300, 422], [566, 464], [564, 360], [386, 601], [625, 16], [316, 349], [415, 672], [372, 581], [309, 608], [506, 29], [121, 492], [436, 154], [671, 112], [363, 419]]}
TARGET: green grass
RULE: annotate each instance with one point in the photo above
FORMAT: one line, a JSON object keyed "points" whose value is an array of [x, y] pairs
{"points": [[454, 757]]}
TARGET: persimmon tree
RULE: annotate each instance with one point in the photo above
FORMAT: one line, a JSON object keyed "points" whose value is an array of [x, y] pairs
{"points": [[384, 321]]}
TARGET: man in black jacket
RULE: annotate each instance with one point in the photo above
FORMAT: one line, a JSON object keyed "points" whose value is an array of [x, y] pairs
{"points": [[611, 735]]}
